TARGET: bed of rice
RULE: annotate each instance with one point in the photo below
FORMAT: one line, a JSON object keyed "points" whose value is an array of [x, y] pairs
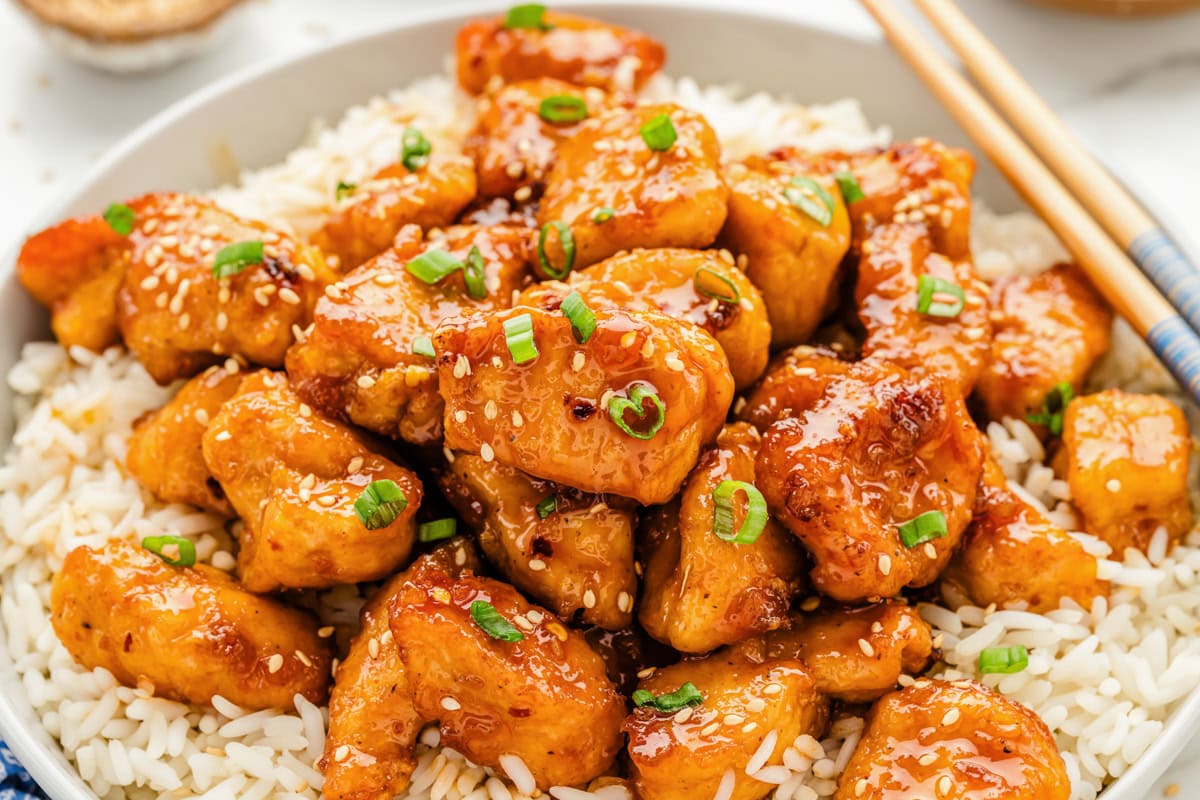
{"points": [[1104, 678]]}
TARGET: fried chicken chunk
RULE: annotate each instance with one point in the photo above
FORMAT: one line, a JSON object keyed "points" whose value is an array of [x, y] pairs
{"points": [[571, 551], [1125, 457], [1049, 329], [578, 50], [676, 756], [294, 478], [848, 476], [614, 191], [193, 632], [505, 678], [164, 453], [957, 741], [555, 416], [357, 363], [702, 592], [795, 380]]}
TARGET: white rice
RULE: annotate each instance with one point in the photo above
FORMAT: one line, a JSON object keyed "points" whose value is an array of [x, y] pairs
{"points": [[1104, 679]]}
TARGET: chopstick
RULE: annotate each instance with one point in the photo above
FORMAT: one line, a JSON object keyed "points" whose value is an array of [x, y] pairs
{"points": [[1112, 272], [1176, 277]]}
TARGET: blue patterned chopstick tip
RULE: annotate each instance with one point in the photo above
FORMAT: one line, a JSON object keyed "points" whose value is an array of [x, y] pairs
{"points": [[1171, 272], [1178, 347]]}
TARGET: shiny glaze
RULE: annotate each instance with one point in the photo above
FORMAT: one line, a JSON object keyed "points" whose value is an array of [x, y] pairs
{"points": [[293, 477], [627, 652], [795, 380], [564, 432], [995, 748], [357, 363], [702, 592], [190, 632]]}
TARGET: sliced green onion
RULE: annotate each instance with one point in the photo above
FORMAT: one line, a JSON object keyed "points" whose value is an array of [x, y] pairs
{"points": [[437, 530], [492, 623], [635, 404], [848, 186], [686, 695], [185, 548], [433, 265], [547, 506], [924, 528], [567, 240], [379, 504], [474, 274], [811, 198], [518, 334], [233, 258], [583, 321], [423, 346], [729, 295], [1003, 660], [602, 215], [120, 218], [529, 15], [563, 108], [414, 149], [659, 133], [344, 189], [928, 286], [1054, 405], [756, 513]]}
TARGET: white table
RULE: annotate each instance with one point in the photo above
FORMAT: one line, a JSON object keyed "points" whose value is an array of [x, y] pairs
{"points": [[1131, 89]]}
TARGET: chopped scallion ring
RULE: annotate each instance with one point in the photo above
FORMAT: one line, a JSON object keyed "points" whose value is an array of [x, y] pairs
{"points": [[120, 218], [756, 512], [529, 15], [233, 258], [492, 623], [635, 404], [344, 190], [583, 321], [563, 108], [704, 280], [547, 506], [566, 240], [923, 528], [1053, 407], [686, 695], [811, 198], [379, 504], [659, 133], [1003, 660], [602, 215], [433, 265], [414, 149], [848, 186], [184, 548], [928, 286], [437, 530], [423, 346], [474, 274], [518, 334]]}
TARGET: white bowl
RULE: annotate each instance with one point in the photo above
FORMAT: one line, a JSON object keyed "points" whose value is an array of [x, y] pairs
{"points": [[262, 113]]}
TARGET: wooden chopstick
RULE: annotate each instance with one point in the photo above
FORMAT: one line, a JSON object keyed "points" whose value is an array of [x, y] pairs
{"points": [[1176, 277], [1116, 277]]}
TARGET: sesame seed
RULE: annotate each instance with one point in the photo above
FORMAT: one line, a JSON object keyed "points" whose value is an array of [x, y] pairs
{"points": [[460, 416], [1113, 485], [274, 663], [222, 320], [683, 715], [866, 648], [306, 272], [860, 788], [536, 564], [384, 279], [486, 453], [440, 595], [522, 194], [355, 464], [945, 785], [522, 622], [951, 716], [342, 753], [514, 169], [710, 729], [489, 409], [325, 632], [756, 705], [461, 366], [289, 296], [624, 602], [930, 550], [885, 564], [303, 659], [927, 759], [673, 362], [734, 719], [589, 599], [460, 557], [497, 362], [223, 436], [628, 338], [232, 366], [333, 291], [149, 283], [365, 381], [577, 361], [535, 616], [305, 410], [646, 673], [201, 416], [517, 419], [749, 727], [150, 225], [772, 689], [450, 704], [876, 627]]}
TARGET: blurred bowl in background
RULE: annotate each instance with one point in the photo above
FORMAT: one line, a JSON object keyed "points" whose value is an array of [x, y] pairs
{"points": [[1125, 7]]}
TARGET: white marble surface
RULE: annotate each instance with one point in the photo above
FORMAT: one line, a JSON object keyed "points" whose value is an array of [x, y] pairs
{"points": [[1131, 89]]}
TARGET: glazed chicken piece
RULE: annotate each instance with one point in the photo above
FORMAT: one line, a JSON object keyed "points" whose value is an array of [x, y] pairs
{"points": [[367, 219], [193, 632], [574, 554], [294, 478], [793, 235], [164, 453], [556, 416], [1125, 457], [505, 678], [358, 362], [614, 191], [795, 381], [702, 592], [373, 724], [876, 479], [688, 754], [856, 654], [1014, 557], [578, 50], [1049, 328], [956, 741]]}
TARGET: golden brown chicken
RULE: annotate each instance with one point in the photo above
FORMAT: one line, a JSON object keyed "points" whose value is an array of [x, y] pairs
{"points": [[877, 479], [648, 177], [702, 592], [505, 679], [795, 380], [359, 362], [625, 413], [318, 507], [192, 632], [954, 741]]}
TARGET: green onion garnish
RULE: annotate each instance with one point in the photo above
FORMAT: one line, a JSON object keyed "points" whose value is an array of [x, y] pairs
{"points": [[518, 334], [583, 321], [379, 504], [120, 218], [185, 548], [437, 530], [756, 512], [433, 265], [848, 186], [809, 196], [529, 15], [474, 275], [233, 258], [423, 346], [567, 240], [490, 622], [1003, 660], [1054, 405], [686, 695], [414, 149], [344, 189], [547, 506], [563, 108], [602, 215], [634, 404], [928, 286], [707, 274], [924, 528], [659, 133]]}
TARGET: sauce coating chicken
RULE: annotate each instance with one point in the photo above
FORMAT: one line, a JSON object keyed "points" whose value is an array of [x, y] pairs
{"points": [[293, 478], [881, 448], [956, 741], [614, 192], [702, 592], [122, 608], [795, 381], [544, 698], [357, 363], [553, 416], [576, 556]]}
